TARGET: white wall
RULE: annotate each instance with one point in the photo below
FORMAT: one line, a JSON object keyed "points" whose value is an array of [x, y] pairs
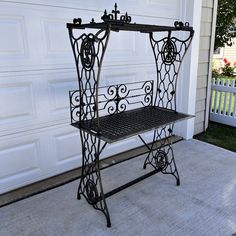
{"points": [[37, 71]]}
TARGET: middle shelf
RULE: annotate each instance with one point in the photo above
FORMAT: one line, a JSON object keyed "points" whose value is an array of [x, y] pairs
{"points": [[123, 125], [121, 111]]}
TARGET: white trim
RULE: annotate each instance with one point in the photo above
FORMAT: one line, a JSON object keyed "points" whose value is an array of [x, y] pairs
{"points": [[189, 68], [213, 30]]}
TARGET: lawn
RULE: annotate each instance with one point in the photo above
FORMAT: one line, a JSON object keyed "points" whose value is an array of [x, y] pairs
{"points": [[220, 135]]}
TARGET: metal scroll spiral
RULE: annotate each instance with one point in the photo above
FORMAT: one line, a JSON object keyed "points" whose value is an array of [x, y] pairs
{"points": [[74, 105], [118, 93], [122, 93], [111, 91], [169, 52], [87, 52], [147, 87], [91, 192], [161, 159]]}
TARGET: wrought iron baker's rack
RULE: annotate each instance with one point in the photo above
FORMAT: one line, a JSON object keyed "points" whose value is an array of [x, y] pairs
{"points": [[109, 114]]}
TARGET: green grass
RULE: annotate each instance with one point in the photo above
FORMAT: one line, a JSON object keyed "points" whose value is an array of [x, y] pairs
{"points": [[220, 135]]}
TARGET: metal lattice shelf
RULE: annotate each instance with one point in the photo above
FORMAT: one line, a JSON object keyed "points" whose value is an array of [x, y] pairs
{"points": [[109, 114], [123, 125]]}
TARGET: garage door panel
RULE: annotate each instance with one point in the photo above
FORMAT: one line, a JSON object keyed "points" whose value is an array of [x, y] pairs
{"points": [[56, 37], [13, 40], [59, 96], [19, 160], [16, 102], [67, 146]]}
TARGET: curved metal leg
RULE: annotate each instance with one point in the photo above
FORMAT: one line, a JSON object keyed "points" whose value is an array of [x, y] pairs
{"points": [[90, 185]]}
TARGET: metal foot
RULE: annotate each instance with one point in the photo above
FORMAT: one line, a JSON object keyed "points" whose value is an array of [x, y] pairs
{"points": [[178, 182], [108, 223], [78, 195]]}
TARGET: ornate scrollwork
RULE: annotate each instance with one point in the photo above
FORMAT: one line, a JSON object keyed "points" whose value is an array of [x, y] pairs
{"points": [[147, 100], [112, 99], [161, 159], [111, 109], [75, 113], [122, 91], [111, 91], [147, 86], [121, 105], [74, 98], [91, 192], [87, 52], [168, 52]]}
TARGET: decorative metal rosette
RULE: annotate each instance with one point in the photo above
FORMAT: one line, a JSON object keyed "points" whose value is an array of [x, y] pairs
{"points": [[168, 52], [161, 159], [87, 52], [91, 192]]}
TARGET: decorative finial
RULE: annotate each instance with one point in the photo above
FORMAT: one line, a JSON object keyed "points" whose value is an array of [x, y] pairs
{"points": [[77, 21], [114, 16], [105, 16], [180, 24], [116, 12]]}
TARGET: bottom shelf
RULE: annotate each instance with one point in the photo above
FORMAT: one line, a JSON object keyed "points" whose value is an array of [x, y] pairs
{"points": [[129, 123]]}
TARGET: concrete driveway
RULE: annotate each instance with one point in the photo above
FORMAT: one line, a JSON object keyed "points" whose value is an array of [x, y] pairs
{"points": [[204, 203]]}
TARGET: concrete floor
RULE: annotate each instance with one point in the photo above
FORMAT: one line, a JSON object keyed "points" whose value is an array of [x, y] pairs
{"points": [[204, 204]]}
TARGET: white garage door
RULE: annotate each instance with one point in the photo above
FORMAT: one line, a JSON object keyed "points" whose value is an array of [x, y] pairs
{"points": [[37, 71]]}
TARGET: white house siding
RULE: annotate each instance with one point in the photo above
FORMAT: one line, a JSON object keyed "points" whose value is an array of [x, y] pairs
{"points": [[227, 52], [204, 59], [37, 71], [230, 52]]}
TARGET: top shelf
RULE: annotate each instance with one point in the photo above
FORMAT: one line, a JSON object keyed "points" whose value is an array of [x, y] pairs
{"points": [[116, 22], [122, 26]]}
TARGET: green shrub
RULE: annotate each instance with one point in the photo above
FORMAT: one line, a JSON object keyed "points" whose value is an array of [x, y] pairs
{"points": [[215, 73]]}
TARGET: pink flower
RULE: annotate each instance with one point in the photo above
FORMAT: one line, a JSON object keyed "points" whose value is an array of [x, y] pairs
{"points": [[225, 60], [228, 63]]}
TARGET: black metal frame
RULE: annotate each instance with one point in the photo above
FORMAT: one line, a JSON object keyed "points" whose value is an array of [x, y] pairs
{"points": [[109, 114]]}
